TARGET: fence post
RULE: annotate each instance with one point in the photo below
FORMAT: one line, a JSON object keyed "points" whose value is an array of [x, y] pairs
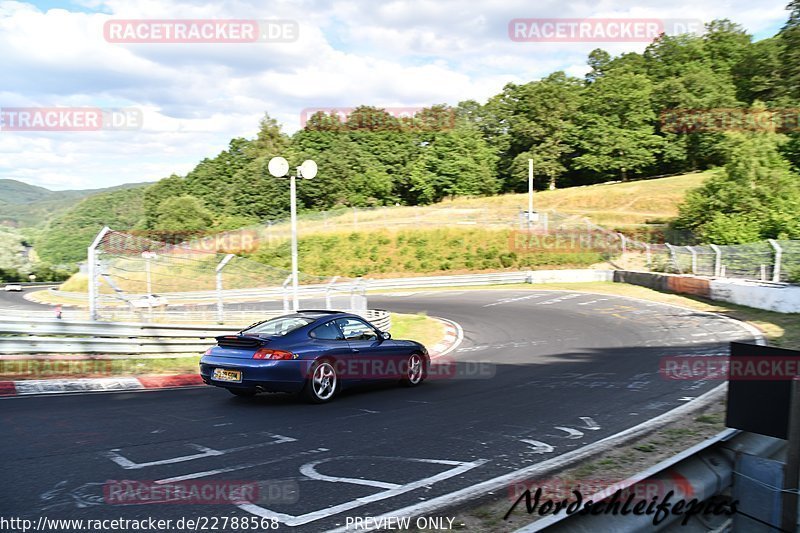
{"points": [[673, 257], [717, 260], [328, 292], [623, 242], [647, 255], [94, 281], [286, 283], [776, 271], [694, 259], [358, 301], [220, 266]]}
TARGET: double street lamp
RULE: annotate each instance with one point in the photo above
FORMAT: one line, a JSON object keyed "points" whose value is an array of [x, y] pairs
{"points": [[279, 167]]}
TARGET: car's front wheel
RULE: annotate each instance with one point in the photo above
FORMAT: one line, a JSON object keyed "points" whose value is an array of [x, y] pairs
{"points": [[323, 383], [414, 371]]}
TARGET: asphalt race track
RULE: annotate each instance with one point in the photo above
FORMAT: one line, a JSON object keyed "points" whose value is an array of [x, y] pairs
{"points": [[560, 370]]}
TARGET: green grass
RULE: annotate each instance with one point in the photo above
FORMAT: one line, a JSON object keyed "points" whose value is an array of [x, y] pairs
{"points": [[417, 327], [421, 251]]}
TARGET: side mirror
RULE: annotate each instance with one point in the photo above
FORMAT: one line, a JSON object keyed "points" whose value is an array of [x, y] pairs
{"points": [[385, 335]]}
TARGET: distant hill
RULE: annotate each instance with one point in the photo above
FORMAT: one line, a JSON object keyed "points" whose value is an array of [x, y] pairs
{"points": [[24, 205]]}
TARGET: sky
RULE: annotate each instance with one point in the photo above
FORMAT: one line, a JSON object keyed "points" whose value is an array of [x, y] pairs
{"points": [[168, 105]]}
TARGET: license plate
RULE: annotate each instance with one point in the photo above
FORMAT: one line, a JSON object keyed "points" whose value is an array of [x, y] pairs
{"points": [[223, 374]]}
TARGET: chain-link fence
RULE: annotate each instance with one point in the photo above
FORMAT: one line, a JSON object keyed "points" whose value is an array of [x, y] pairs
{"points": [[771, 260], [132, 276]]}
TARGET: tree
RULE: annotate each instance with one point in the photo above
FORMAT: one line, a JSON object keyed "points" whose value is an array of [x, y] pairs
{"points": [[599, 61], [183, 214], [756, 196], [455, 163], [616, 125], [790, 36]]}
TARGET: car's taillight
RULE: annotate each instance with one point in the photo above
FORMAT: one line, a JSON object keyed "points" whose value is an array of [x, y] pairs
{"points": [[208, 352], [275, 355]]}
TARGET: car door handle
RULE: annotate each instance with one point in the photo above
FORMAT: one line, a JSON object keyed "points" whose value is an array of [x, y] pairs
{"points": [[354, 350]]}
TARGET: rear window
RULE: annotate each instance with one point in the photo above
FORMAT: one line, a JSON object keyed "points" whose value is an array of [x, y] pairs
{"points": [[278, 327]]}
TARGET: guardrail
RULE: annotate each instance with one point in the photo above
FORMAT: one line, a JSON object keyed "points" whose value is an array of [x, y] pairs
{"points": [[492, 278], [700, 472], [53, 336]]}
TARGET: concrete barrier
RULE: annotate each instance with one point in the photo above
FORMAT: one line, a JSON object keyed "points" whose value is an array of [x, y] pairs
{"points": [[779, 297]]}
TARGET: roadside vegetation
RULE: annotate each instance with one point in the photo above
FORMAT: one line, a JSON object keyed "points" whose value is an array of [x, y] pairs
{"points": [[629, 117]]}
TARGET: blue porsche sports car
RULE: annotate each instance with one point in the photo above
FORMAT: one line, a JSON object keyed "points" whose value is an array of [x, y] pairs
{"points": [[315, 353]]}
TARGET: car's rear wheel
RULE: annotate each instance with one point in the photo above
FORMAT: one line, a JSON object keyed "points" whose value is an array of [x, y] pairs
{"points": [[244, 393], [414, 371], [323, 383]]}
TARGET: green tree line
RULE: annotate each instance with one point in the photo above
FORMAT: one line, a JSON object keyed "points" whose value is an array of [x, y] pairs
{"points": [[609, 125]]}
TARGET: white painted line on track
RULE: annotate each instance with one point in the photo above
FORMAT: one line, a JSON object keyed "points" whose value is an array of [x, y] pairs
{"points": [[127, 464], [290, 520], [234, 468]]}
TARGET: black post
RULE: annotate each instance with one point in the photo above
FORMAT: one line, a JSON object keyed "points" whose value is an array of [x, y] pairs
{"points": [[791, 473]]}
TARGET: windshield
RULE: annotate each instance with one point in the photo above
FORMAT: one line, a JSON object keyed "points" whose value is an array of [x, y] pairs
{"points": [[278, 327]]}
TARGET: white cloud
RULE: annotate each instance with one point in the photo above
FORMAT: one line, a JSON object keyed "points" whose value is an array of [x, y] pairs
{"points": [[196, 97]]}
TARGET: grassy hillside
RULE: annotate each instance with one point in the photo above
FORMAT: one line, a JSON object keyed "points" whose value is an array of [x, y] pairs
{"points": [[23, 205], [620, 206], [65, 240]]}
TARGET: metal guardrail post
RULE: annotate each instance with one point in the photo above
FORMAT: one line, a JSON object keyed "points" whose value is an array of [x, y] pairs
{"points": [[673, 256], [328, 292], [286, 306], [694, 259], [218, 272], [717, 260], [94, 282], [776, 271]]}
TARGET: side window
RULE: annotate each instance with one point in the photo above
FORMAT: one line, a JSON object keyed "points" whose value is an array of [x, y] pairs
{"points": [[328, 331], [356, 330]]}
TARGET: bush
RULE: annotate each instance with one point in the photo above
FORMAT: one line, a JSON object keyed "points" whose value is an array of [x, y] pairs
{"points": [[793, 274]]}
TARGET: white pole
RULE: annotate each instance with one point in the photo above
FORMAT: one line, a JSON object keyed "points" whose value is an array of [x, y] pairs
{"points": [[147, 268], [776, 270], [717, 260], [530, 190], [220, 305], [293, 200], [91, 261], [91, 258]]}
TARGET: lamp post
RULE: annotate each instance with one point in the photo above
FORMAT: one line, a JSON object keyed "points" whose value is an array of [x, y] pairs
{"points": [[279, 167]]}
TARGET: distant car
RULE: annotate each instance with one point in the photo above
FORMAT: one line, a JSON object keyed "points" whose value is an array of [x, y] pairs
{"points": [[315, 353], [150, 300], [13, 287]]}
